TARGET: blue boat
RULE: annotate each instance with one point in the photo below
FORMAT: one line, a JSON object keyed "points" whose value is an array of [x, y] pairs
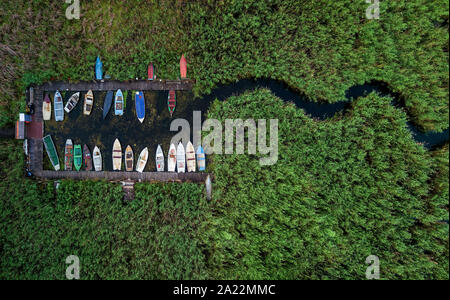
{"points": [[107, 104], [98, 69], [118, 103], [140, 106], [201, 159]]}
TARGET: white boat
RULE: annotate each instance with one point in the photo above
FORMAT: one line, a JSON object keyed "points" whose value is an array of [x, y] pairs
{"points": [[117, 156], [88, 103], [181, 158], [190, 157], [172, 159], [159, 159], [46, 108], [72, 102], [58, 107], [142, 160], [97, 157]]}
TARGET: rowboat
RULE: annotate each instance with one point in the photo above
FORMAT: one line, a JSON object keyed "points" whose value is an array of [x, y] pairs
{"points": [[129, 159], [117, 155], [46, 108], [88, 103], [107, 103], [181, 158], [159, 159], [201, 159], [183, 67], [118, 103], [98, 69], [58, 107], [97, 157], [87, 158], [172, 158], [140, 106], [171, 102], [142, 160], [151, 72], [72, 102], [51, 152], [68, 155], [77, 157], [190, 157]]}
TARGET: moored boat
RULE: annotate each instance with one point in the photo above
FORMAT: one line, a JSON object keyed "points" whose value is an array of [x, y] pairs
{"points": [[140, 106], [142, 160], [72, 102], [151, 72], [107, 103], [118, 103], [98, 69], [181, 158], [58, 107], [97, 157], [68, 155], [159, 159], [51, 152], [190, 157], [87, 158], [172, 158], [46, 108], [201, 159], [183, 67], [117, 156], [171, 102], [77, 157], [129, 159], [88, 103]]}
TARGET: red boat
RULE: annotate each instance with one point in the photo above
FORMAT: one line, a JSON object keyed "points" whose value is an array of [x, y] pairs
{"points": [[171, 102], [151, 72], [87, 158], [183, 67]]}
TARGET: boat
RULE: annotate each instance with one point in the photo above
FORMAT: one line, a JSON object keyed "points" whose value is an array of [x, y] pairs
{"points": [[107, 103], [88, 103], [190, 157], [159, 159], [151, 72], [118, 103], [172, 102], [97, 158], [87, 158], [201, 159], [117, 156], [140, 106], [58, 107], [77, 157], [46, 108], [183, 67], [172, 158], [181, 158], [72, 102], [129, 159], [51, 152], [98, 69], [142, 160], [68, 155]]}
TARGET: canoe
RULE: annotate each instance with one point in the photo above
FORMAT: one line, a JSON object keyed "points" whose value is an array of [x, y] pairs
{"points": [[118, 103], [190, 157], [72, 102], [51, 152], [201, 159], [88, 103], [129, 159], [68, 155], [142, 160], [117, 156], [183, 67], [97, 157], [181, 159], [107, 103], [98, 69], [87, 158], [46, 108], [58, 107], [151, 72], [77, 157], [171, 102], [159, 159], [172, 158], [140, 106]]}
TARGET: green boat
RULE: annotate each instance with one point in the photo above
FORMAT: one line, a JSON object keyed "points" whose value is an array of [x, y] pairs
{"points": [[77, 157], [51, 151]]}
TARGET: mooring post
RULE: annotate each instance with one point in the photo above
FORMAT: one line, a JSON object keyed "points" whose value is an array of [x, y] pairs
{"points": [[208, 185]]}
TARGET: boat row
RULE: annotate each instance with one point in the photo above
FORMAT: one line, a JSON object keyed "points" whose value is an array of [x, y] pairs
{"points": [[119, 104], [80, 158]]}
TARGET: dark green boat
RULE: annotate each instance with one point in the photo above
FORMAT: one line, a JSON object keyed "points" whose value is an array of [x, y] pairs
{"points": [[77, 157], [51, 151]]}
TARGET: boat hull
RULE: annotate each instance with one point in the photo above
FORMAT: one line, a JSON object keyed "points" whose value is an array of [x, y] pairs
{"points": [[88, 103], [171, 102], [190, 157], [201, 159], [140, 106], [159, 159], [117, 156], [142, 160], [172, 159], [118, 103], [58, 107], [183, 67], [51, 152], [68, 155], [129, 159], [87, 157], [181, 159], [46, 108], [72, 102], [77, 157], [107, 104], [97, 158]]}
